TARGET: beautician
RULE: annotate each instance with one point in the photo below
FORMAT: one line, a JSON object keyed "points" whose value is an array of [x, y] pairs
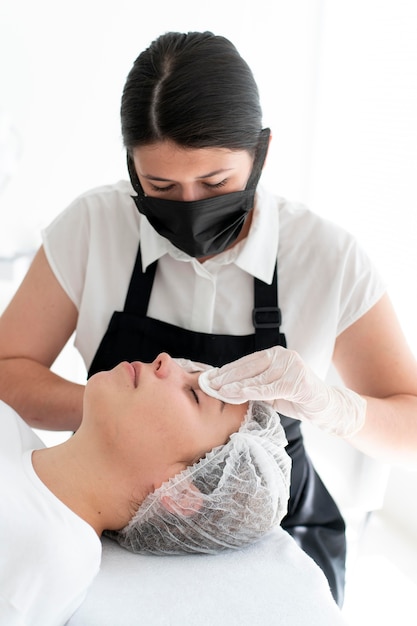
{"points": [[187, 259]]}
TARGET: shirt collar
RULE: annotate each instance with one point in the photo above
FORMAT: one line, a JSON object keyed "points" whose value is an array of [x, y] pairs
{"points": [[153, 246], [259, 251], [263, 235]]}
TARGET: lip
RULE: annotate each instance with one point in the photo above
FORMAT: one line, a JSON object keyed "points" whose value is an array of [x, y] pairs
{"points": [[130, 369], [135, 369]]}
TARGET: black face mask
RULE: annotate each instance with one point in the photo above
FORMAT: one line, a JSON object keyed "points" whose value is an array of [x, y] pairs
{"points": [[202, 227]]}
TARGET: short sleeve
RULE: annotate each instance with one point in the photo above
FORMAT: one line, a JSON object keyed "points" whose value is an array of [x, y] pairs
{"points": [[66, 242], [361, 286]]}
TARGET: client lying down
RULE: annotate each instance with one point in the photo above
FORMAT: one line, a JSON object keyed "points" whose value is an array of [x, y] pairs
{"points": [[156, 464]]}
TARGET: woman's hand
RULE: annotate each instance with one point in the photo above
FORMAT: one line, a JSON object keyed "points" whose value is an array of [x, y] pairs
{"points": [[281, 378], [192, 366]]}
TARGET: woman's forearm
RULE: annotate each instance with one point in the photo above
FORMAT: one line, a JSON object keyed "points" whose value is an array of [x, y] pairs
{"points": [[390, 430], [43, 399]]}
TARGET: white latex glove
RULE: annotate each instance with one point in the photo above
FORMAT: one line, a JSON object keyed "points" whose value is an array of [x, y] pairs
{"points": [[281, 378], [192, 366]]}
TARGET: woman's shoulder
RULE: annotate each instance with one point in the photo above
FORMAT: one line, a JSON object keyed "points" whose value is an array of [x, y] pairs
{"points": [[105, 196], [103, 208], [300, 227], [295, 216]]}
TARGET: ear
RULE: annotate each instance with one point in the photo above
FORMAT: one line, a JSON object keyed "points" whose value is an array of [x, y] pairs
{"points": [[185, 503]]}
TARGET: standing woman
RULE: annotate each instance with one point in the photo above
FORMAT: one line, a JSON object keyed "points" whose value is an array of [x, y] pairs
{"points": [[190, 262]]}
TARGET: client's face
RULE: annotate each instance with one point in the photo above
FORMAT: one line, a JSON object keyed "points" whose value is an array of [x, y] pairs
{"points": [[158, 412]]}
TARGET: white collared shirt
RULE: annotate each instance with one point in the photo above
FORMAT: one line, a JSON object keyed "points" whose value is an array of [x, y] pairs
{"points": [[325, 280], [208, 292]]}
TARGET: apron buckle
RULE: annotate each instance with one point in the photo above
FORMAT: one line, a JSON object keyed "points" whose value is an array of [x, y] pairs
{"points": [[266, 317]]}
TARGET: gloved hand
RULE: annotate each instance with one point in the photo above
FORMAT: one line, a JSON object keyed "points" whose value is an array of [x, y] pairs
{"points": [[280, 377], [192, 366]]}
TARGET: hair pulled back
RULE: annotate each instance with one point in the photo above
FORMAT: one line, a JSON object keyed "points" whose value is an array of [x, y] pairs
{"points": [[193, 89]]}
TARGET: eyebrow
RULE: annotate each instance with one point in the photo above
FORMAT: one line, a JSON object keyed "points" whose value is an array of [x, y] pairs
{"points": [[169, 180]]}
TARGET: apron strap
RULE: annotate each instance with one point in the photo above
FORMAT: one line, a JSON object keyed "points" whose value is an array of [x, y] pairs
{"points": [[266, 314], [140, 287]]}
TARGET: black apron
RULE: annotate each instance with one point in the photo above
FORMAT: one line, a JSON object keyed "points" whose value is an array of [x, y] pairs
{"points": [[313, 518]]}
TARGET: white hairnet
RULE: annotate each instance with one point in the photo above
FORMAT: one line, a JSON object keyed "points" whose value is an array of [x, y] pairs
{"points": [[229, 498]]}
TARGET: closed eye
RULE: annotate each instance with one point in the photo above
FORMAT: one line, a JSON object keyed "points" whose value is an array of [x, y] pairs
{"points": [[195, 395], [158, 189], [161, 189], [222, 183]]}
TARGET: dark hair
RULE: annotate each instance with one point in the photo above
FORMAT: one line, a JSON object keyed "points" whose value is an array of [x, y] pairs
{"points": [[193, 89]]}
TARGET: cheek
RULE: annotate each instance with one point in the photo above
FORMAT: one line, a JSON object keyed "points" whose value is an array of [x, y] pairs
{"points": [[160, 418], [179, 432], [234, 413], [96, 392]]}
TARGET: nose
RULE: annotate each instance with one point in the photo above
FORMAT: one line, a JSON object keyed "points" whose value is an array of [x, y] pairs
{"points": [[189, 193], [162, 365]]}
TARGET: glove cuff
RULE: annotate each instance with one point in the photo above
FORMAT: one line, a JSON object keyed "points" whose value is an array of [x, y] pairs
{"points": [[346, 414]]}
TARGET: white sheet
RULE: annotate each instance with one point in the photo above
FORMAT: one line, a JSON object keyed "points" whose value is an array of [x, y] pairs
{"points": [[270, 583]]}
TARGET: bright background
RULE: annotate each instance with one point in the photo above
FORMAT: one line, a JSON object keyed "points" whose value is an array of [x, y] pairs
{"points": [[338, 82]]}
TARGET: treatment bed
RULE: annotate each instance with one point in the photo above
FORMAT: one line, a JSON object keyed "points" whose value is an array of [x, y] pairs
{"points": [[268, 584]]}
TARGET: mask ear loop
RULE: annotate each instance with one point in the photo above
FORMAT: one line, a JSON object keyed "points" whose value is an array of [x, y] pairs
{"points": [[259, 160]]}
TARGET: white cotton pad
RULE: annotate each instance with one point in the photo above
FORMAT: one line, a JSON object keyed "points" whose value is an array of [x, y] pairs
{"points": [[204, 384]]}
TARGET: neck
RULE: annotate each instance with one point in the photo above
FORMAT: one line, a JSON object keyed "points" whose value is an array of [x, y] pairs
{"points": [[82, 478]]}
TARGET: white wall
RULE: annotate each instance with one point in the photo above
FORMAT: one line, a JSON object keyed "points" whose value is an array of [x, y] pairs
{"points": [[364, 158]]}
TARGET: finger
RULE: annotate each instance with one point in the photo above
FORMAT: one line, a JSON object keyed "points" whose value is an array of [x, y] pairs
{"points": [[256, 392], [248, 367], [191, 366]]}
